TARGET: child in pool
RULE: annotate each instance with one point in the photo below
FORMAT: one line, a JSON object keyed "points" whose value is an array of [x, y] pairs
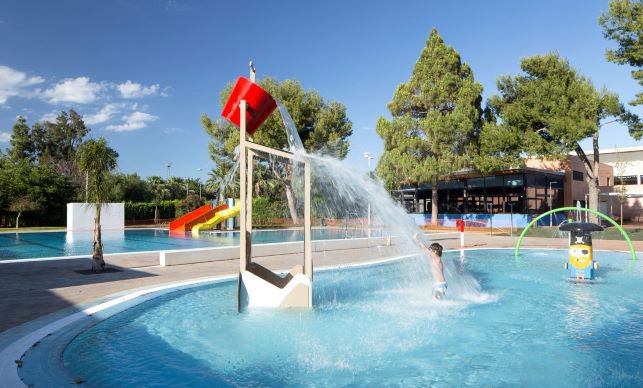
{"points": [[435, 256]]}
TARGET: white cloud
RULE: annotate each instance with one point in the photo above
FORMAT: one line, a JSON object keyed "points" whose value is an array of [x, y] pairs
{"points": [[79, 90], [134, 121], [166, 91], [104, 114], [169, 131], [131, 89], [14, 82], [5, 137]]}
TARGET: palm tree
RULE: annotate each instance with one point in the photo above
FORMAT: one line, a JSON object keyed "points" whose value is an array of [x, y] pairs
{"points": [[159, 187], [97, 160]]}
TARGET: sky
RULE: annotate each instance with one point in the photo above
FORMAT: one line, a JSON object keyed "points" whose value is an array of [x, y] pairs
{"points": [[142, 72]]}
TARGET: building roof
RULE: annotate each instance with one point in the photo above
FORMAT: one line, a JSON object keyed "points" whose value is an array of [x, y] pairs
{"points": [[615, 150], [470, 173], [474, 174]]}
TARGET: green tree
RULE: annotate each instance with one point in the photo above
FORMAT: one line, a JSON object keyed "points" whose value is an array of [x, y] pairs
{"points": [[97, 160], [545, 113], [323, 127], [186, 205], [158, 187], [21, 142], [623, 23], [23, 204], [436, 119], [177, 187], [129, 188], [223, 183], [41, 184], [57, 143]]}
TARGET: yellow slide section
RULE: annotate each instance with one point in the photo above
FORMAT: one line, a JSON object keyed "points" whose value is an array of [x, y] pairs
{"points": [[218, 217]]}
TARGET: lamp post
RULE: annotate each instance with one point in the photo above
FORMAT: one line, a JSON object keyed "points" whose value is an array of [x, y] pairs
{"points": [[200, 170], [551, 205], [511, 206], [369, 157], [169, 165]]}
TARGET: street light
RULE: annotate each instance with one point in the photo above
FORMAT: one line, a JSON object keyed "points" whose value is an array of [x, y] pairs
{"points": [[511, 204], [200, 174], [551, 204], [169, 165], [369, 157]]}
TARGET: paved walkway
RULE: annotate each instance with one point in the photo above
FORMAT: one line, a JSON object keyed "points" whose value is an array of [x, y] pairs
{"points": [[26, 295]]}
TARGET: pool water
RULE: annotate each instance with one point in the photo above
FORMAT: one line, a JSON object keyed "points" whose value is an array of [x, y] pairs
{"points": [[504, 322], [55, 244]]}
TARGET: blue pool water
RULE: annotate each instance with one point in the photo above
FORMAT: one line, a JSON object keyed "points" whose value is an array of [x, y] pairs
{"points": [[54, 244], [503, 323]]}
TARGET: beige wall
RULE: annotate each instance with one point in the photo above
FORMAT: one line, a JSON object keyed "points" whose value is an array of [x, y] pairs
{"points": [[632, 157], [576, 190]]}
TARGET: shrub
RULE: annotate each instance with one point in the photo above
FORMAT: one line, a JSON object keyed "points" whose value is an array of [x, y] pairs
{"points": [[265, 209], [145, 210], [189, 204]]}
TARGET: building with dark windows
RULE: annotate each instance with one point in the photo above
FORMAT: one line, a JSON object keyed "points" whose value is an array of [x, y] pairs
{"points": [[494, 200]]}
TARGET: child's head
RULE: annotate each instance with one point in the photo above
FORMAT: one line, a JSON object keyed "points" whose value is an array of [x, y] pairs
{"points": [[436, 248]]}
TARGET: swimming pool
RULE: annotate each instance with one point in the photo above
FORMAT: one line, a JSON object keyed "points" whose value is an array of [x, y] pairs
{"points": [[54, 244], [504, 322]]}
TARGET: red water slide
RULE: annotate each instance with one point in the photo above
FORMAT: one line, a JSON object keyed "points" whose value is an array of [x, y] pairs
{"points": [[197, 216]]}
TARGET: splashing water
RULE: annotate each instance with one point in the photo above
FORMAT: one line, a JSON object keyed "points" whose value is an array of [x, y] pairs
{"points": [[228, 178], [341, 192]]}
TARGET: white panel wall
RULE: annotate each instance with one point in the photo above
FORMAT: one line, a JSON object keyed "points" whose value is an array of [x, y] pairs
{"points": [[80, 216]]}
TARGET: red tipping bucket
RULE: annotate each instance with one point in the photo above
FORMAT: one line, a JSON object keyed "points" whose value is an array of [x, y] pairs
{"points": [[260, 105]]}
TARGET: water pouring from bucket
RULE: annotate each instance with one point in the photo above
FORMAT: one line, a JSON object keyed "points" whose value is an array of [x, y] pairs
{"points": [[339, 192]]}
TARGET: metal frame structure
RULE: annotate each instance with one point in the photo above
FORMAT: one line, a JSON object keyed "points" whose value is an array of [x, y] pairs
{"points": [[247, 151], [524, 231]]}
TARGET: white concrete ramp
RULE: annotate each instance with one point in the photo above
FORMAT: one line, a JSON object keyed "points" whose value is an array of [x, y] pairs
{"points": [[260, 287]]}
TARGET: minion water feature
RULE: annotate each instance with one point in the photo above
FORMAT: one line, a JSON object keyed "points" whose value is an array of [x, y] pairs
{"points": [[581, 263]]}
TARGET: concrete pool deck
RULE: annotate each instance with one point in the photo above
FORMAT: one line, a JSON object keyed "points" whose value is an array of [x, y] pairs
{"points": [[30, 294]]}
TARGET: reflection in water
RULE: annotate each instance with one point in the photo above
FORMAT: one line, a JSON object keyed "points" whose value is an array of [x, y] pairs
{"points": [[75, 239], [581, 309]]}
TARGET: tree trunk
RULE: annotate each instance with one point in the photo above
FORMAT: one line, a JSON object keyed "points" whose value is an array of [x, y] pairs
{"points": [[98, 264], [593, 188], [291, 204], [434, 204], [591, 172], [592, 183], [416, 205], [289, 194], [621, 214], [18, 220]]}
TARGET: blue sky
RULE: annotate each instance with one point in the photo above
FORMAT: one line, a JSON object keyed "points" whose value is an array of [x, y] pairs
{"points": [[141, 73]]}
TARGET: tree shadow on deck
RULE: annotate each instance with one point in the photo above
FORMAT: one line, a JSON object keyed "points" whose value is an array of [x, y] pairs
{"points": [[33, 289]]}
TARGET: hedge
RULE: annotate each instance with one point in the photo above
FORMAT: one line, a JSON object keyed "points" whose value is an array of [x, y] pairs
{"points": [[145, 210]]}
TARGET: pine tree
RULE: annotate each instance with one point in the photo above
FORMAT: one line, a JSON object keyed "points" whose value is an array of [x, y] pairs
{"points": [[623, 23], [21, 144], [545, 113], [436, 119]]}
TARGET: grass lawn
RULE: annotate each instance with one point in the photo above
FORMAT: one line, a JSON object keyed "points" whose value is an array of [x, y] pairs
{"points": [[33, 229], [611, 233]]}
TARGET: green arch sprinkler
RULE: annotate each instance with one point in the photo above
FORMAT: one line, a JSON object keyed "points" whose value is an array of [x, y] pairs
{"points": [[610, 220]]}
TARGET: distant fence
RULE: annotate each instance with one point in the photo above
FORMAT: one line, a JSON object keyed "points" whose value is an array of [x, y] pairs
{"points": [[488, 220], [159, 222]]}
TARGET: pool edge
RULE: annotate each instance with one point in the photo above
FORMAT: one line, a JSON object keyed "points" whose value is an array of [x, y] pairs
{"points": [[20, 339]]}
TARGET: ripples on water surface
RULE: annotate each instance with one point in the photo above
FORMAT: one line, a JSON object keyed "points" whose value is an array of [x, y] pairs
{"points": [[503, 323]]}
